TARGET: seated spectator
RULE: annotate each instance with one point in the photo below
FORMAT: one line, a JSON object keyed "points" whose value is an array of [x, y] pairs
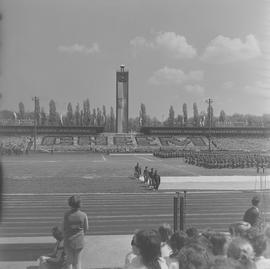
{"points": [[133, 254], [176, 243], [54, 260], [192, 235], [241, 250], [218, 241], [193, 256], [259, 245], [148, 244], [227, 264], [266, 253], [218, 245], [239, 228], [165, 232]]}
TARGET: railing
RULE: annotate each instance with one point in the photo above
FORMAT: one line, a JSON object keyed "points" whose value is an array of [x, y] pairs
{"points": [[216, 209]]}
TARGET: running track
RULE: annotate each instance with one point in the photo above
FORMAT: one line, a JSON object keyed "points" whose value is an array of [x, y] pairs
{"points": [[122, 213]]}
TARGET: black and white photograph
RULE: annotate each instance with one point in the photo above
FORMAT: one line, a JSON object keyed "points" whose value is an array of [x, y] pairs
{"points": [[135, 134]]}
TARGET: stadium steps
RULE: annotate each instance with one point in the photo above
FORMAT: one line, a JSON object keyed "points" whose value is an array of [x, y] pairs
{"points": [[22, 253]]}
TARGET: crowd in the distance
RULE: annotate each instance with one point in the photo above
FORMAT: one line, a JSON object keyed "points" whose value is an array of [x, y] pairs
{"points": [[246, 245]]}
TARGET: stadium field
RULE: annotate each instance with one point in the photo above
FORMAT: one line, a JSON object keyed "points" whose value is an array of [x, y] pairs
{"points": [[94, 172], [37, 186]]}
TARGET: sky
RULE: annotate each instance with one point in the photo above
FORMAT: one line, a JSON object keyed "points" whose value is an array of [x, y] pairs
{"points": [[176, 51]]}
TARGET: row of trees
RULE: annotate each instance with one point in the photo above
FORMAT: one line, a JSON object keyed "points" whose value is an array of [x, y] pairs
{"points": [[83, 115]]}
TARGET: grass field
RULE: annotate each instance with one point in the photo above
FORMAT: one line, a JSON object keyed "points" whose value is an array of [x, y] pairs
{"points": [[92, 172], [37, 186]]}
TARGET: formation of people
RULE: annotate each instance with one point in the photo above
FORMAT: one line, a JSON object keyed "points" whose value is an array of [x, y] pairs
{"points": [[226, 159], [150, 178]]}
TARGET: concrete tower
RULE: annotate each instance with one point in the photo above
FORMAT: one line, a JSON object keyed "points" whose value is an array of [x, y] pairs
{"points": [[122, 100]]}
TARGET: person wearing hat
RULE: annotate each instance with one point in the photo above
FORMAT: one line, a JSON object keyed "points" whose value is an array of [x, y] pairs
{"points": [[252, 215]]}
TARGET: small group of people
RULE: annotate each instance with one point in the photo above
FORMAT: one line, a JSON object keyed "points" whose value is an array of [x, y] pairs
{"points": [[245, 246], [69, 239], [151, 178]]}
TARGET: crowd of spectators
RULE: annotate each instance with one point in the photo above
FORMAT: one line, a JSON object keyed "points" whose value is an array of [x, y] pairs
{"points": [[15, 145], [114, 143], [244, 247], [246, 244]]}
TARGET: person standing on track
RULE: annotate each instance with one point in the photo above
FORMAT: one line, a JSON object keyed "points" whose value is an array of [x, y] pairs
{"points": [[151, 178], [145, 174], [75, 227], [137, 170], [156, 180]]}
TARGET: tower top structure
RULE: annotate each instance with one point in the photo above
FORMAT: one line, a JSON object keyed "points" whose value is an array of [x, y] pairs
{"points": [[122, 67]]}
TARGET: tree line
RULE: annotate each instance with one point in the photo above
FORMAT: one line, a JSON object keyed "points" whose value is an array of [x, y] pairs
{"points": [[83, 115]]}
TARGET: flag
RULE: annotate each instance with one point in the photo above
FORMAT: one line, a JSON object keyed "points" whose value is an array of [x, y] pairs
{"points": [[140, 121], [61, 119], [15, 115]]}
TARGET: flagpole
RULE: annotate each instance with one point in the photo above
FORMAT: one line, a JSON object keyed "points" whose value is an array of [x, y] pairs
{"points": [[35, 99]]}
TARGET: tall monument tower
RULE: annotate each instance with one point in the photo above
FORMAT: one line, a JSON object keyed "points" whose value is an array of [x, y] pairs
{"points": [[122, 100]]}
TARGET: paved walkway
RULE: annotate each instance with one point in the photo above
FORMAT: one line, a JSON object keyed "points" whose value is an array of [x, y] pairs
{"points": [[105, 251]]}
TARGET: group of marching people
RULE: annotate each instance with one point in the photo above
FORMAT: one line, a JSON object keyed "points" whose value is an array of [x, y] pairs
{"points": [[227, 159], [149, 177]]}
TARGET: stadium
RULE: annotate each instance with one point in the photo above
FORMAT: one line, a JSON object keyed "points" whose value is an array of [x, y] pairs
{"points": [[99, 166], [198, 167], [164, 165]]}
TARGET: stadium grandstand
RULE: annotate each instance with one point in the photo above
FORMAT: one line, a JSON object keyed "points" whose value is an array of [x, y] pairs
{"points": [[150, 139]]}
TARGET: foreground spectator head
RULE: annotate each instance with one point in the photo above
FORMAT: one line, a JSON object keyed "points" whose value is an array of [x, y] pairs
{"points": [[57, 233], [165, 232], [135, 249], [192, 232], [239, 228], [259, 244], [267, 232], [218, 241], [241, 250], [148, 244], [255, 201], [177, 241], [193, 256], [227, 264], [74, 201]]}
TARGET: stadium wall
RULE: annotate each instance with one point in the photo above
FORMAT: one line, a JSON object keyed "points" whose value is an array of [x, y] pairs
{"points": [[50, 130], [204, 131]]}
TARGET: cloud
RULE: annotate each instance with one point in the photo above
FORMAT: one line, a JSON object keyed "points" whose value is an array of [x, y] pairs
{"points": [[77, 48], [141, 42], [223, 50], [259, 88], [194, 89], [228, 85], [170, 42], [172, 76], [177, 45]]}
